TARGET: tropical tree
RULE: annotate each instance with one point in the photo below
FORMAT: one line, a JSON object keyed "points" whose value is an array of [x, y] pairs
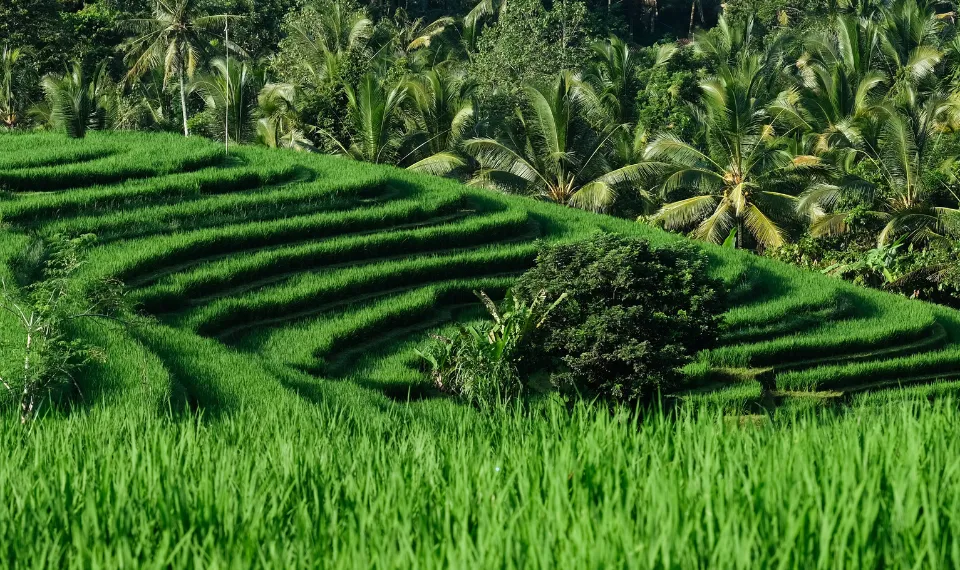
{"points": [[912, 128], [326, 41], [172, 39], [278, 125], [837, 88], [473, 23], [909, 38], [738, 182], [229, 92], [728, 43], [373, 112], [555, 152], [440, 112], [12, 103], [78, 102], [412, 39], [613, 74], [149, 104]]}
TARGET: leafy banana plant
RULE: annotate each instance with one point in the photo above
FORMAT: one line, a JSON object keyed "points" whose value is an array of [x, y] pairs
{"points": [[480, 363]]}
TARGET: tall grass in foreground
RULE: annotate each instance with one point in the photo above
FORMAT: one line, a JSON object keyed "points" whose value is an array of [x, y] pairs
{"points": [[322, 485]]}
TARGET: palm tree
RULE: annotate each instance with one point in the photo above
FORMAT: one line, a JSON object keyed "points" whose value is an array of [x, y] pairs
{"points": [[912, 129], [613, 75], [440, 113], [373, 111], [230, 90], [556, 153], [278, 126], [474, 21], [728, 43], [325, 48], [79, 103], [412, 39], [738, 181], [837, 86], [172, 39], [11, 72], [909, 33], [153, 102]]}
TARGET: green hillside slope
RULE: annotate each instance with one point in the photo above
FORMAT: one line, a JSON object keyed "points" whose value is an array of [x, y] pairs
{"points": [[273, 274]]}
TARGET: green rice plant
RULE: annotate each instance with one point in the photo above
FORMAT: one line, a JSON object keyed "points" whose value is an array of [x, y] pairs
{"points": [[155, 155], [736, 398], [922, 366], [906, 392], [827, 342], [263, 204], [314, 293], [105, 201], [142, 260], [756, 315], [321, 431], [311, 479], [312, 344], [236, 274], [53, 155]]}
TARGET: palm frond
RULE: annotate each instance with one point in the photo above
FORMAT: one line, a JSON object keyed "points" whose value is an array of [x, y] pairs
{"points": [[683, 213], [767, 233], [440, 164]]}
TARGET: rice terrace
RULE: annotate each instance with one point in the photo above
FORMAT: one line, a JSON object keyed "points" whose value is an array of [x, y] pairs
{"points": [[471, 284], [287, 294]]}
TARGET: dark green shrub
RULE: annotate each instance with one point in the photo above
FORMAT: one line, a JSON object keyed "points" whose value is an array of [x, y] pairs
{"points": [[633, 316]]}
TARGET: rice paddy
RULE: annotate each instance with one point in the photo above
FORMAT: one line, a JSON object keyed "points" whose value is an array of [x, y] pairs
{"points": [[269, 409]]}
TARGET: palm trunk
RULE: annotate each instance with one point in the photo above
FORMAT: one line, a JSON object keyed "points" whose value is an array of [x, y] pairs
{"points": [[693, 6], [739, 240], [183, 105]]}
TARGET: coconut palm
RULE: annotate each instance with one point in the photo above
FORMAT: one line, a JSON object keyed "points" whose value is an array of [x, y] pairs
{"points": [[440, 111], [229, 92], [555, 152], [78, 102], [613, 75], [172, 39], [413, 35], [909, 33], [912, 129], [728, 43], [152, 105], [12, 104], [837, 87], [738, 181], [373, 112], [326, 46], [278, 125]]}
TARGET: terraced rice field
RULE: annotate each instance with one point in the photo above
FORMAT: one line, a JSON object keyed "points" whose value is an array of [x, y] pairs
{"points": [[322, 271], [269, 411]]}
